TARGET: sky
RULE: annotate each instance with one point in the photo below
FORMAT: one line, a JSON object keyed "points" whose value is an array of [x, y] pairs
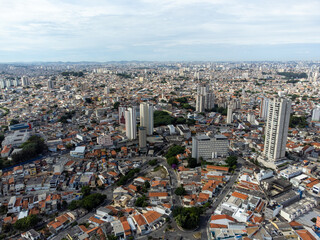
{"points": [[159, 30]]}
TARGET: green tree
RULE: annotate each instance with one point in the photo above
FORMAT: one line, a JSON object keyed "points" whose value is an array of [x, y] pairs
{"points": [[180, 191], [27, 222], [187, 218], [192, 162], [92, 201], [141, 201], [174, 151], [14, 121], [73, 205], [116, 105], [153, 162], [85, 190], [172, 160]]}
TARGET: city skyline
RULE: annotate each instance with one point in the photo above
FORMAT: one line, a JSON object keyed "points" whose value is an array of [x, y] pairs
{"points": [[158, 31]]}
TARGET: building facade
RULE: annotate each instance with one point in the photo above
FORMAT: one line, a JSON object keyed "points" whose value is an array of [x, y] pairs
{"points": [[276, 130], [208, 148], [131, 123]]}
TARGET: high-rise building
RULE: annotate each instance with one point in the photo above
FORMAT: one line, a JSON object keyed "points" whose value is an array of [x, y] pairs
{"points": [[209, 147], [131, 123], [16, 82], [200, 102], [276, 130], [122, 118], [50, 84], [24, 81], [9, 83], [142, 137], [316, 114], [146, 117], [264, 108], [3, 83], [204, 99], [229, 114]]}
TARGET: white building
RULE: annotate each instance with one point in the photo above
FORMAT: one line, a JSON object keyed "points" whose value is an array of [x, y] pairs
{"points": [[316, 114], [78, 152], [50, 84], [146, 117], [204, 99], [208, 148], [290, 172], [276, 130], [25, 81], [229, 114], [131, 123], [264, 108], [105, 140]]}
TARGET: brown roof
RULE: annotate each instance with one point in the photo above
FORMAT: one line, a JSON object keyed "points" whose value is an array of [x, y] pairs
{"points": [[151, 216]]}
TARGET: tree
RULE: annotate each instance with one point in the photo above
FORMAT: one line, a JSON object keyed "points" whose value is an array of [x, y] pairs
{"points": [[232, 161], [162, 118], [192, 162], [73, 205], [116, 105], [296, 121], [112, 237], [172, 160], [187, 218], [14, 121], [153, 162], [85, 190], [174, 151], [92, 201], [147, 184], [27, 222], [180, 191], [141, 201]]}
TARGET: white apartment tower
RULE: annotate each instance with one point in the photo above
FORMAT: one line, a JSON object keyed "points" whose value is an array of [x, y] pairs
{"points": [[146, 117], [264, 108], [24, 81], [276, 130], [50, 84], [229, 114], [316, 114], [204, 99], [131, 123]]}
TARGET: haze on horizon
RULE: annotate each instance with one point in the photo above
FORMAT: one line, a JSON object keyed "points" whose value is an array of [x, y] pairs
{"points": [[190, 30]]}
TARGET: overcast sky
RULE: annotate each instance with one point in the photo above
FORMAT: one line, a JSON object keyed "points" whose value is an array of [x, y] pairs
{"points": [[103, 30]]}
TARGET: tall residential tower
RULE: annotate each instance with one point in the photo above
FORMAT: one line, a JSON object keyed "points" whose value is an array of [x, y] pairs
{"points": [[276, 131], [146, 117], [131, 123]]}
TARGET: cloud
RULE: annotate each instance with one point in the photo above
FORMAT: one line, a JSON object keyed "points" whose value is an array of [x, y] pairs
{"points": [[142, 26]]}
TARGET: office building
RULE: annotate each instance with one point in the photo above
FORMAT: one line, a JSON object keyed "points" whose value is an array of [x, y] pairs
{"points": [[146, 117], [142, 137], [316, 114], [209, 147], [131, 123], [276, 130]]}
